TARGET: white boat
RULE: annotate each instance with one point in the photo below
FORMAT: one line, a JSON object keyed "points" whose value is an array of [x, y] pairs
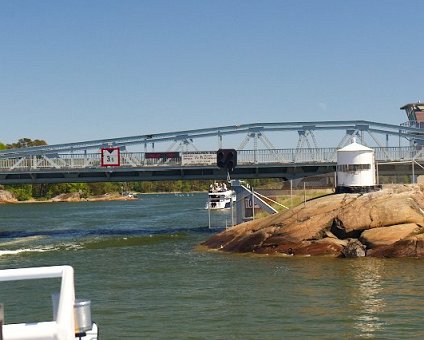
{"points": [[71, 317], [220, 197]]}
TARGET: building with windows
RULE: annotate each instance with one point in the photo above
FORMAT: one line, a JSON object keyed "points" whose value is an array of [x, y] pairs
{"points": [[415, 114], [355, 169]]}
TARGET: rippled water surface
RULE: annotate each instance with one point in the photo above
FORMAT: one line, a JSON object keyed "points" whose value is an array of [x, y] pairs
{"points": [[136, 261]]}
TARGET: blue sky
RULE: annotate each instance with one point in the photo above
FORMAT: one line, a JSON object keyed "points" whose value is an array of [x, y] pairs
{"points": [[82, 70]]}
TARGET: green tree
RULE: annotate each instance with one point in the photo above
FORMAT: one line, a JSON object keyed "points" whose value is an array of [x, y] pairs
{"points": [[25, 143], [21, 192], [66, 188], [40, 190], [104, 188]]}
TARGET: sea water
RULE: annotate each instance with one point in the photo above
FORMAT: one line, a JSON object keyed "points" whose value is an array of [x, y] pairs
{"points": [[138, 264]]}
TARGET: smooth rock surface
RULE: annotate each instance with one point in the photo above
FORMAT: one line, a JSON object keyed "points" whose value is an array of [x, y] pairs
{"points": [[387, 223], [7, 197]]}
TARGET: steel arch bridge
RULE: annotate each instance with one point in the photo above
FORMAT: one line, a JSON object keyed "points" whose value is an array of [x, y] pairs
{"points": [[376, 133], [81, 161]]}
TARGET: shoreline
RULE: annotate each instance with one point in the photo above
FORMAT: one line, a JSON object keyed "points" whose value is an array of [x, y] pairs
{"points": [[74, 197], [73, 200]]}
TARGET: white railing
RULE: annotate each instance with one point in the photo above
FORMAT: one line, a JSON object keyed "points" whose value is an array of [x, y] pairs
{"points": [[63, 328], [244, 157]]}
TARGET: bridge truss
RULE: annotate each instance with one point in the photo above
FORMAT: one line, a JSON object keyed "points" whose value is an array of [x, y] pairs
{"points": [[80, 161], [369, 133]]}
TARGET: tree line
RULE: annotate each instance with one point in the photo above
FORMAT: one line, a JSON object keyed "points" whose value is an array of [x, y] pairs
{"points": [[23, 143], [24, 192]]}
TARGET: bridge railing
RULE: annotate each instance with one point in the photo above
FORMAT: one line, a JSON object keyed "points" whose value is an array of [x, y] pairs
{"points": [[284, 156], [244, 157], [398, 154]]}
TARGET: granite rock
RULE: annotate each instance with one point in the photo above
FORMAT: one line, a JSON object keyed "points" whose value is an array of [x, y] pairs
{"points": [[7, 197], [389, 222]]}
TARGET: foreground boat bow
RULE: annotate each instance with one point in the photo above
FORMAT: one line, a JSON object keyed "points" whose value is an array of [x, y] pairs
{"points": [[70, 320]]}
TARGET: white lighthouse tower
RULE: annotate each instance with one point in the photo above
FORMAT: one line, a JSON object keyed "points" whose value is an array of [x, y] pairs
{"points": [[355, 169]]}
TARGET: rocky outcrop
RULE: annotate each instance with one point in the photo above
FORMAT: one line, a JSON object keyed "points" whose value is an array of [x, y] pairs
{"points": [[76, 197], [354, 248], [385, 236], [7, 197], [386, 223], [70, 197], [411, 246]]}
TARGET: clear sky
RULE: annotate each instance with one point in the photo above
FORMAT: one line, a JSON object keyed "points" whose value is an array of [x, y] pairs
{"points": [[82, 70]]}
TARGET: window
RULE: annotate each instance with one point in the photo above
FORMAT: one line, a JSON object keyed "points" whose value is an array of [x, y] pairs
{"points": [[353, 167]]}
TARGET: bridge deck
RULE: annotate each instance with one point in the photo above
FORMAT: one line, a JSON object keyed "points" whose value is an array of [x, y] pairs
{"points": [[277, 163]]}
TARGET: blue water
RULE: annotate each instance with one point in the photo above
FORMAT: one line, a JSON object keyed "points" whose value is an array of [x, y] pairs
{"points": [[137, 262]]}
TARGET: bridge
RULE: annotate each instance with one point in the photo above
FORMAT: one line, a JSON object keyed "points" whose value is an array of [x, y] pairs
{"points": [[398, 150]]}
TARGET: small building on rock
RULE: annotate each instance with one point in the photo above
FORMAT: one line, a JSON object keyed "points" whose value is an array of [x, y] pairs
{"points": [[356, 169]]}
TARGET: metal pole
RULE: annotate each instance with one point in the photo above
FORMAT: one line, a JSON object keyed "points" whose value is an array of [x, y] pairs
{"points": [[209, 210], [291, 193], [1, 320], [232, 211], [376, 172], [253, 205], [413, 171], [304, 192]]}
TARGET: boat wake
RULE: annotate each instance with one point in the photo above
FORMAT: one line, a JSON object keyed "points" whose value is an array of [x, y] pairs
{"points": [[23, 242], [19, 234], [21, 251]]}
